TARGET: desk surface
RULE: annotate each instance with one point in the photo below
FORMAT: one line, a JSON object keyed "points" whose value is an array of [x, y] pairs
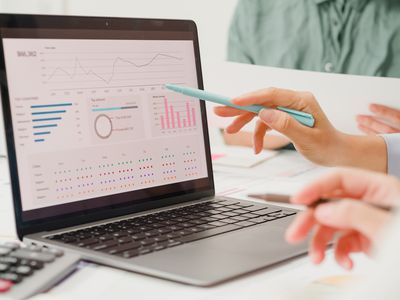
{"points": [[105, 283]]}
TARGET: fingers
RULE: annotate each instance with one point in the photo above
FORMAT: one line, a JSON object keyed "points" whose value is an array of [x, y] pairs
{"points": [[259, 134], [273, 97], [285, 124], [389, 113], [351, 183], [345, 245], [372, 124], [225, 111], [352, 215], [300, 227], [240, 122], [367, 130], [322, 236]]}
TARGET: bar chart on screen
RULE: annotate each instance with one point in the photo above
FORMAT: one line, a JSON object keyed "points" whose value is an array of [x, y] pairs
{"points": [[174, 114]]}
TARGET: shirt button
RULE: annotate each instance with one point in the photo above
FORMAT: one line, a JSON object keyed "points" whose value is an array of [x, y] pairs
{"points": [[328, 67]]}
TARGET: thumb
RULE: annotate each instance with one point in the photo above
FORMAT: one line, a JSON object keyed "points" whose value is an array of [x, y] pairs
{"points": [[283, 123]]}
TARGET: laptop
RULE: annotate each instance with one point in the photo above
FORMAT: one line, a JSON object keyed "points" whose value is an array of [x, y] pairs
{"points": [[108, 164]]}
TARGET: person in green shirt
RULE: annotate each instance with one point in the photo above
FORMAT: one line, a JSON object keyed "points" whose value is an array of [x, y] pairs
{"points": [[359, 37]]}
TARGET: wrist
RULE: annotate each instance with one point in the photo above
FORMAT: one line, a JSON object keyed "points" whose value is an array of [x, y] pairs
{"points": [[367, 152]]}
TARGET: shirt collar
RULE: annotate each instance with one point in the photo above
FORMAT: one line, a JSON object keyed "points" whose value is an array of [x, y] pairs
{"points": [[357, 4]]}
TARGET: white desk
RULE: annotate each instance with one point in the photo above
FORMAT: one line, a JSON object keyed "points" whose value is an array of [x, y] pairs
{"points": [[109, 283]]}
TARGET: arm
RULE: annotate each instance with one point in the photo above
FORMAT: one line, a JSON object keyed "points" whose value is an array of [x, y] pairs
{"points": [[322, 144]]}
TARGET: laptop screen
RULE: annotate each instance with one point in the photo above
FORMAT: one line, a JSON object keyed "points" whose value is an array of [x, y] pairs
{"points": [[93, 124]]}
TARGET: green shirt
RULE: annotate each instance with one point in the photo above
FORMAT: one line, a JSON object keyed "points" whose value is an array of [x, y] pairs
{"points": [[359, 37]]}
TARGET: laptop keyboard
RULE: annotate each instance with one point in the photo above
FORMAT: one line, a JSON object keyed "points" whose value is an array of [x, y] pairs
{"points": [[145, 234]]}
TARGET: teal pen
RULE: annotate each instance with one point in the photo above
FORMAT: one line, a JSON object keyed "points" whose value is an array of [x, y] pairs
{"points": [[304, 118]]}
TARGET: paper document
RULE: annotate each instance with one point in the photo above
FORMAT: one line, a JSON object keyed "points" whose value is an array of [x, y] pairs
{"points": [[241, 157]]}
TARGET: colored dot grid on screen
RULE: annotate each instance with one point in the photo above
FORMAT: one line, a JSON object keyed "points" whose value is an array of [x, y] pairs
{"points": [[168, 167], [146, 170], [190, 164]]}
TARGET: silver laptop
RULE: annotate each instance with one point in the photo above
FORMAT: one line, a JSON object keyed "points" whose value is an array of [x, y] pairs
{"points": [[106, 163]]}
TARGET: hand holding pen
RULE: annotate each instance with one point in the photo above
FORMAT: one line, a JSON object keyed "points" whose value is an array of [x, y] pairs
{"points": [[357, 223]]}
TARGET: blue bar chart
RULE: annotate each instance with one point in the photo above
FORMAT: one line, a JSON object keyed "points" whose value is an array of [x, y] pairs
{"points": [[46, 116]]}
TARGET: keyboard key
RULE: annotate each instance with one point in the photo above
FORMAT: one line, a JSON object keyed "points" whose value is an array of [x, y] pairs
{"points": [[120, 234], [130, 253], [37, 265], [266, 211], [125, 247], [198, 221], [239, 218], [160, 238], [219, 216], [240, 211], [4, 267], [42, 257], [229, 221], [147, 242], [175, 228], [144, 251], [173, 243], [11, 277], [254, 208], [233, 206], [125, 239], [152, 233], [250, 215], [217, 223], [206, 226], [88, 242], [4, 251], [230, 214], [184, 232], [8, 260], [186, 225], [105, 245], [164, 230], [224, 209], [5, 285], [68, 239], [106, 237], [55, 251], [173, 235], [10, 245], [157, 247], [23, 270], [194, 229], [208, 219], [138, 236]]}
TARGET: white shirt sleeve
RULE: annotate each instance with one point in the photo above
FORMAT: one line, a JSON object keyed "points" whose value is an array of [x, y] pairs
{"points": [[393, 152]]}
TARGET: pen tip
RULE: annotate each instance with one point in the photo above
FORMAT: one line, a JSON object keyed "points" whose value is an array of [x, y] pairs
{"points": [[172, 87]]}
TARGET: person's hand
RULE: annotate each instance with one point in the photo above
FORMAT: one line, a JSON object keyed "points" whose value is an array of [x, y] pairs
{"points": [[305, 139], [356, 223], [384, 119], [322, 144]]}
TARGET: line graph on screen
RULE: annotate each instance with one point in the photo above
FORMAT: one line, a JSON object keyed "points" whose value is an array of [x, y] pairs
{"points": [[61, 71]]}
